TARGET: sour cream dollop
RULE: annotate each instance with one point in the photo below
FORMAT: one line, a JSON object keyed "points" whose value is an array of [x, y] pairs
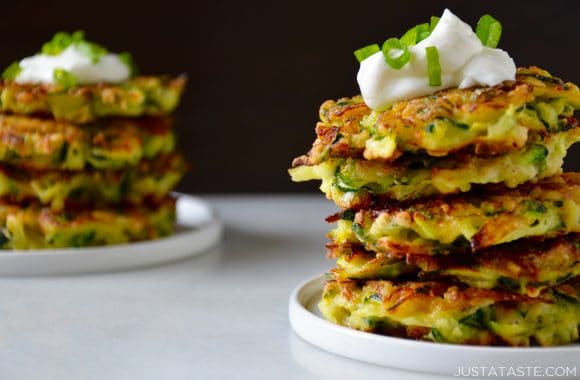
{"points": [[464, 60], [40, 67]]}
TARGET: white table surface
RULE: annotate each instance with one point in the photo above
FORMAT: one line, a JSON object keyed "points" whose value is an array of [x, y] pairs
{"points": [[222, 315]]}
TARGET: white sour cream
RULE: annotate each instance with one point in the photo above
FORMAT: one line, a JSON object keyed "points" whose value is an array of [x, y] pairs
{"points": [[40, 67], [464, 61]]}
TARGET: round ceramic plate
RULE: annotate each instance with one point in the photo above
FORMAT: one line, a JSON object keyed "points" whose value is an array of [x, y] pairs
{"points": [[197, 230], [434, 358]]}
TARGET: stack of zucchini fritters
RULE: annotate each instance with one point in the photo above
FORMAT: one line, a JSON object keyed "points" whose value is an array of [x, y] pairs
{"points": [[456, 223], [87, 165]]}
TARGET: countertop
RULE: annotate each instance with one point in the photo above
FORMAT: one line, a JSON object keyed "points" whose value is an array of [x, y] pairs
{"points": [[221, 315]]}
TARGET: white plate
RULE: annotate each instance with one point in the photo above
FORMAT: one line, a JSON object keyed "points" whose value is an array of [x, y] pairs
{"points": [[197, 230], [406, 354]]}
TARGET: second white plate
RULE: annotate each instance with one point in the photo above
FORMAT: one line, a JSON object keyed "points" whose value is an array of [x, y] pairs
{"points": [[197, 230], [434, 358]]}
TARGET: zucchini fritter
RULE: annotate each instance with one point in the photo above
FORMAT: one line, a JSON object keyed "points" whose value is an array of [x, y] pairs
{"points": [[444, 312], [357, 183], [149, 180], [525, 267], [471, 221], [110, 144], [488, 120], [30, 226], [140, 96]]}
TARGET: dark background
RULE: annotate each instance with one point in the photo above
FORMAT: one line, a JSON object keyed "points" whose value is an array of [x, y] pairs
{"points": [[259, 70]]}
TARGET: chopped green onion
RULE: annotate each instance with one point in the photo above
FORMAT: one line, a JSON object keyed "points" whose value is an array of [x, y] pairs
{"points": [[433, 66], [365, 52], [63, 40], [416, 34], [91, 50], [421, 36], [64, 78], [489, 31], [433, 23], [436, 335], [12, 71], [400, 60], [78, 35], [59, 42], [410, 37], [419, 32], [128, 60], [422, 32]]}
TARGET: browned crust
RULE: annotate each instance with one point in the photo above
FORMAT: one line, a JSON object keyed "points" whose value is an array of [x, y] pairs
{"points": [[158, 165], [82, 213], [35, 92], [565, 184], [409, 117], [401, 292], [524, 258], [37, 99]]}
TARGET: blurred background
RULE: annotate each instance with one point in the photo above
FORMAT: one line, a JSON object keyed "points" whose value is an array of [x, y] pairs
{"points": [[258, 71]]}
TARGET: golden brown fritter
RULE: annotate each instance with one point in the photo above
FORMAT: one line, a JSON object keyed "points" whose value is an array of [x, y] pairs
{"points": [[139, 96], [525, 266], [358, 183], [484, 120], [31, 226], [107, 144], [449, 313], [148, 180], [470, 221]]}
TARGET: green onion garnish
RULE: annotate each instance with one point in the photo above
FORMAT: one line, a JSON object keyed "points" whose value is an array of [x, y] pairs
{"points": [[64, 78], [365, 52], [59, 42], [128, 60], [78, 35], [489, 31], [91, 50], [419, 32], [433, 23], [433, 66], [63, 40], [422, 32], [410, 37], [12, 71], [397, 61]]}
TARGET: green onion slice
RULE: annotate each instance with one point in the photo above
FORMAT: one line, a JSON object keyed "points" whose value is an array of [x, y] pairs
{"points": [[365, 52], [422, 32], [78, 35], [419, 32], [12, 71], [63, 40], [433, 23], [128, 60], [433, 66], [397, 61], [489, 31], [59, 42], [91, 50], [410, 37], [64, 78]]}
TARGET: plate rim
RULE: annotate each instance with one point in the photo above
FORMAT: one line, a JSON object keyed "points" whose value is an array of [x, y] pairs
{"points": [[300, 314]]}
